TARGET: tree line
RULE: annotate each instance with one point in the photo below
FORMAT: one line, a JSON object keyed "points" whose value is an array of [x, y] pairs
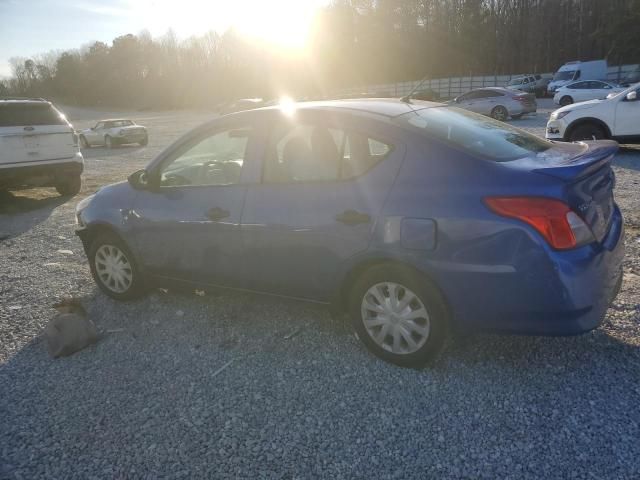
{"points": [[351, 43]]}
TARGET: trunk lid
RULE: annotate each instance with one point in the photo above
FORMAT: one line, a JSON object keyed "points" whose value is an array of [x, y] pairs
{"points": [[586, 169]]}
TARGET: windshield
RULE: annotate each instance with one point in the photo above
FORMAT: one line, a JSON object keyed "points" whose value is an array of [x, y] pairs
{"points": [[474, 133], [566, 75], [624, 93]]}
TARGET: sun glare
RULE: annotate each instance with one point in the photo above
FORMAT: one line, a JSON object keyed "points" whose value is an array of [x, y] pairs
{"points": [[281, 23], [287, 106]]}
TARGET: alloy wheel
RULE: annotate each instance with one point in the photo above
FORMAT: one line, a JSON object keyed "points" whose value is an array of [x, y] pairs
{"points": [[113, 268]]}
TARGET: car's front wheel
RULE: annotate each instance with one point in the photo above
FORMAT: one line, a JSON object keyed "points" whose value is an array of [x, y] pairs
{"points": [[83, 142], [114, 269], [587, 131], [399, 315], [69, 186], [500, 113], [108, 142], [144, 142]]}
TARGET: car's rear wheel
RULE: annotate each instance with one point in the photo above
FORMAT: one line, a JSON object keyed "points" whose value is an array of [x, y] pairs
{"points": [[144, 142], [114, 268], [566, 100], [83, 142], [69, 186], [587, 131], [108, 142], [399, 315], [500, 113]]}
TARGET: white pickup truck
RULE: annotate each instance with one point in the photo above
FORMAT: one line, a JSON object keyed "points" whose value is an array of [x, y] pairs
{"points": [[38, 147]]}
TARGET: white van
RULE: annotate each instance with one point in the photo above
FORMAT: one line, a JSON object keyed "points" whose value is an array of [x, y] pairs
{"points": [[38, 147], [571, 71]]}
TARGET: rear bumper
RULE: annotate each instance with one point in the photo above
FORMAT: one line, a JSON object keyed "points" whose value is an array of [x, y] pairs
{"points": [[42, 173], [544, 292]]}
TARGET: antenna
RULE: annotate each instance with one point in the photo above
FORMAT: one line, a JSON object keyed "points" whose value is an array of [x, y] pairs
{"points": [[407, 98]]}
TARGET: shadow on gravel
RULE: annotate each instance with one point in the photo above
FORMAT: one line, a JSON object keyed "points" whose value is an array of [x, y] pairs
{"points": [[101, 152], [38, 203]]}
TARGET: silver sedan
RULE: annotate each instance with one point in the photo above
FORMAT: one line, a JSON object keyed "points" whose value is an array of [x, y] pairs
{"points": [[499, 103]]}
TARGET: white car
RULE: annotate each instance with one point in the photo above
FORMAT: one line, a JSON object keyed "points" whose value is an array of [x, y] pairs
{"points": [[584, 90], [38, 147], [110, 133], [617, 117]]}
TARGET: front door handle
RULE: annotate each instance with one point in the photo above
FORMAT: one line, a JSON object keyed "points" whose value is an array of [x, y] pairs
{"points": [[217, 213], [351, 217]]}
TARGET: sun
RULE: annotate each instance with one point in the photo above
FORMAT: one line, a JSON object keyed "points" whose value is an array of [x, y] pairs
{"points": [[284, 24]]}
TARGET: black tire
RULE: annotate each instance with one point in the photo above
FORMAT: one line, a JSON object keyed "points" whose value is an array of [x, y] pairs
{"points": [[566, 100], [83, 142], [136, 288], [144, 142], [587, 131], [426, 292], [108, 142], [69, 186], [500, 113]]}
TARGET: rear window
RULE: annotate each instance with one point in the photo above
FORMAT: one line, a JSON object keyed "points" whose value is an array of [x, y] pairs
{"points": [[474, 133], [27, 114]]}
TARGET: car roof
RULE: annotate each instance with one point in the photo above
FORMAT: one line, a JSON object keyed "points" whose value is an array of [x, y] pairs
{"points": [[380, 107]]}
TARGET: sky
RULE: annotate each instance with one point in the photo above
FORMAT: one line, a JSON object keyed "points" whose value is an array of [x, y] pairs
{"points": [[31, 27]]}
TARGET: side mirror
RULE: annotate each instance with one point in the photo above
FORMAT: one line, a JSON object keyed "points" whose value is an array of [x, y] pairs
{"points": [[632, 96], [139, 180]]}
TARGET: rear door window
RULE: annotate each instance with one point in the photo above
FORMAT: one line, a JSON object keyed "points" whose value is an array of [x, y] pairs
{"points": [[316, 153], [29, 114]]}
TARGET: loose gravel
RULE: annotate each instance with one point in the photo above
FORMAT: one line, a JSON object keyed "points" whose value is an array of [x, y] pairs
{"points": [[235, 385]]}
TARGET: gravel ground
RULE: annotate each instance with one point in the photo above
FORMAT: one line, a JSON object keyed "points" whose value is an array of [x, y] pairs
{"points": [[235, 385]]}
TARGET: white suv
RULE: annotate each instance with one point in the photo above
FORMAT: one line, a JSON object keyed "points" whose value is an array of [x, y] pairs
{"points": [[617, 117], [38, 147]]}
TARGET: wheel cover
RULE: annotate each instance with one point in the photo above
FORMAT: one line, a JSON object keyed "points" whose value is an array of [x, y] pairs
{"points": [[113, 268], [395, 318]]}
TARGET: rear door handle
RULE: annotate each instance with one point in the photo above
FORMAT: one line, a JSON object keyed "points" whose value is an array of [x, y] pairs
{"points": [[217, 213], [351, 217]]}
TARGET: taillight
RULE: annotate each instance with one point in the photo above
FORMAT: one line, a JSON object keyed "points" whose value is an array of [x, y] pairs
{"points": [[561, 227], [521, 99]]}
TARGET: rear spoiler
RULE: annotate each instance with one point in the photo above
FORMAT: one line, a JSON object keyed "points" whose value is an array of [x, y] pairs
{"points": [[598, 154]]}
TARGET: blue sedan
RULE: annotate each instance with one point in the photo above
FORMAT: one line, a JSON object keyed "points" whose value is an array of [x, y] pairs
{"points": [[414, 218]]}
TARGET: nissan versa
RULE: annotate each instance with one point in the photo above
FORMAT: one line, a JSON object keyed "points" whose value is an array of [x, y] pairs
{"points": [[414, 218]]}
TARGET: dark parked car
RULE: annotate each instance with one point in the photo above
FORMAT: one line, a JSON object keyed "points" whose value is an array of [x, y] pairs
{"points": [[426, 94], [413, 218]]}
